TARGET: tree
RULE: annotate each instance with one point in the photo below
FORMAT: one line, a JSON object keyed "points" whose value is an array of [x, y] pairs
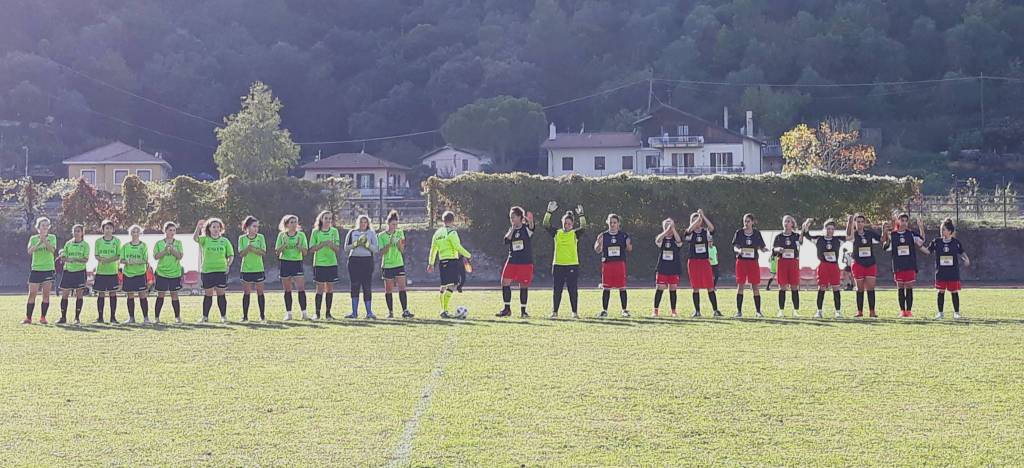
{"points": [[505, 126], [833, 147], [87, 206], [134, 201], [253, 146]]}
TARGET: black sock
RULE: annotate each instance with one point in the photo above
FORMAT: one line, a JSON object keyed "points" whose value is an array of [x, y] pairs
{"points": [[131, 308], [63, 308], [506, 297], [44, 308], [757, 303], [245, 306], [821, 299], [158, 307], [795, 293], [956, 301], [673, 299], [606, 297], [302, 301], [403, 298], [262, 302], [624, 299], [390, 301], [288, 301], [714, 300], [871, 300], [696, 301], [207, 304], [78, 308], [940, 300], [837, 300], [910, 299], [176, 305], [657, 297], [318, 302], [144, 303], [782, 299], [902, 295], [524, 298], [739, 302], [860, 301], [222, 305], [113, 308], [29, 308], [101, 303]]}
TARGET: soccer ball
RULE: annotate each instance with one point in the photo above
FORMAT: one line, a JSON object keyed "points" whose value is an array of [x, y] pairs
{"points": [[461, 312]]}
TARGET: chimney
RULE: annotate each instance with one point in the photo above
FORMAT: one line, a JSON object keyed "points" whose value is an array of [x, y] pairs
{"points": [[725, 117], [750, 123], [552, 132]]}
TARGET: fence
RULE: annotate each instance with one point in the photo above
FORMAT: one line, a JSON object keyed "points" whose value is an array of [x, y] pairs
{"points": [[994, 209]]}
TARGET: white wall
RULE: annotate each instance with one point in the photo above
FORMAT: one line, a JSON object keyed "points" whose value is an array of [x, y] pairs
{"points": [[449, 162], [583, 160]]}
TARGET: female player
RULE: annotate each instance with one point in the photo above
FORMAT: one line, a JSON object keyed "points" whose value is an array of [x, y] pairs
{"points": [[613, 244], [903, 244], [361, 245], [324, 244], [865, 267], [670, 266], [135, 261], [42, 247], [519, 264], [75, 255], [445, 248], [217, 257], [291, 246], [107, 250], [565, 265], [252, 246], [786, 247], [168, 253], [392, 265], [828, 275], [748, 244], [949, 255], [698, 266]]}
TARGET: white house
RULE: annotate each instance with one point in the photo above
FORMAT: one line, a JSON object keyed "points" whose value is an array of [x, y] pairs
{"points": [[591, 154], [369, 173], [449, 161]]}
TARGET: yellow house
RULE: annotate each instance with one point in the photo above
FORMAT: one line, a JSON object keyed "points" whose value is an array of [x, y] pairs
{"points": [[107, 166]]}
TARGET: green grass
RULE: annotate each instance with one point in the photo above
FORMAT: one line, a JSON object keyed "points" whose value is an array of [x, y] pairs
{"points": [[591, 392]]}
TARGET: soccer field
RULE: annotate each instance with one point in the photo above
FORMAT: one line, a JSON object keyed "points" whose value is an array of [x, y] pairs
{"points": [[485, 391]]}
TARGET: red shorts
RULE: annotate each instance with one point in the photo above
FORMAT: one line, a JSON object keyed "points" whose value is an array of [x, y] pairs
{"points": [[861, 272], [670, 280], [701, 276], [948, 285], [787, 273], [905, 276], [518, 273], [828, 274], [613, 275], [748, 272]]}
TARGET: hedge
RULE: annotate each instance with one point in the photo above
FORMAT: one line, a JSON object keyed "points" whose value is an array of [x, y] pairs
{"points": [[482, 202]]}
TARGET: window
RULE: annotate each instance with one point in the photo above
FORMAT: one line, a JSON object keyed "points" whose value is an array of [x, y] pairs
{"points": [[721, 159], [653, 161], [433, 165], [144, 174], [598, 163], [677, 159], [322, 176], [365, 181], [566, 164], [689, 160], [394, 180], [89, 175], [683, 130], [627, 163], [119, 176], [465, 164]]}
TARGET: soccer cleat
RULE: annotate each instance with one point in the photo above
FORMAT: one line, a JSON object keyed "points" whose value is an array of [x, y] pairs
{"points": [[554, 315], [244, 320], [42, 321], [781, 314], [305, 316], [738, 315], [26, 321], [796, 314], [78, 323], [860, 313], [130, 321], [524, 315], [99, 321], [391, 314], [370, 316], [873, 314], [504, 313], [156, 320], [177, 320], [939, 316], [204, 319], [696, 314], [819, 315], [758, 314], [575, 315], [223, 319], [655, 313], [717, 314], [675, 314], [61, 321], [602, 314], [445, 315], [407, 314], [956, 316], [625, 314], [145, 321], [353, 315], [287, 316], [330, 317], [839, 314]]}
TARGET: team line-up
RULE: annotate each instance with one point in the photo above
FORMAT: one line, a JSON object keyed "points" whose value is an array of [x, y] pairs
{"points": [[124, 267]]}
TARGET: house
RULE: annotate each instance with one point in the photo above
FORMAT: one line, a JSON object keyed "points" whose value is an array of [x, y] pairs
{"points": [[368, 173], [591, 154], [690, 145], [107, 166], [449, 161]]}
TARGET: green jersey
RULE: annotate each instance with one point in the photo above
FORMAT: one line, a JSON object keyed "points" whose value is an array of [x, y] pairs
{"points": [[251, 261], [292, 245], [215, 254], [42, 259], [392, 257], [566, 252], [168, 266], [446, 245], [713, 255], [325, 256], [76, 254], [136, 258], [107, 249]]}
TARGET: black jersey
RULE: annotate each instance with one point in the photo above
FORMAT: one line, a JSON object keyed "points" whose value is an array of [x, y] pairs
{"points": [[790, 245], [669, 261], [864, 247], [903, 247], [614, 249], [520, 249], [827, 247], [749, 245], [699, 243], [947, 258]]}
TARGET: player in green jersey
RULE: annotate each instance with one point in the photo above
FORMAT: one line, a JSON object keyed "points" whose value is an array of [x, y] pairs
{"points": [[445, 248], [324, 244], [168, 253], [135, 261], [41, 247], [107, 251], [75, 254], [565, 265], [217, 254], [392, 264], [291, 246], [252, 246]]}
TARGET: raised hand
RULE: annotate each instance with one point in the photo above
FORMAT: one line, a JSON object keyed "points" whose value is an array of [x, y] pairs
{"points": [[552, 206], [579, 210], [529, 217]]}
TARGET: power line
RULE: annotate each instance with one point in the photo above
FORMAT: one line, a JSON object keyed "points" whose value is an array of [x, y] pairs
{"points": [[817, 85], [600, 93], [363, 140]]}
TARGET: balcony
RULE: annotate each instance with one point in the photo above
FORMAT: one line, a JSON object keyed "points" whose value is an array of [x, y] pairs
{"points": [[690, 141], [696, 170]]}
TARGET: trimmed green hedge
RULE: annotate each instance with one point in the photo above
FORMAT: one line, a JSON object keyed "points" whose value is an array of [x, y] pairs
{"points": [[483, 200]]}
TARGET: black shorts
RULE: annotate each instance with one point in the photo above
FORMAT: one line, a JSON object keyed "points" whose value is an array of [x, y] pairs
{"points": [[451, 271], [73, 280], [254, 277], [392, 273], [134, 283], [215, 280], [325, 274], [168, 284], [40, 277], [105, 283], [291, 268]]}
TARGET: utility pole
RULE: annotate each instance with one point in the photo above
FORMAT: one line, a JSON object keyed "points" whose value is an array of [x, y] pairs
{"points": [[26, 159], [650, 94], [981, 80]]}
